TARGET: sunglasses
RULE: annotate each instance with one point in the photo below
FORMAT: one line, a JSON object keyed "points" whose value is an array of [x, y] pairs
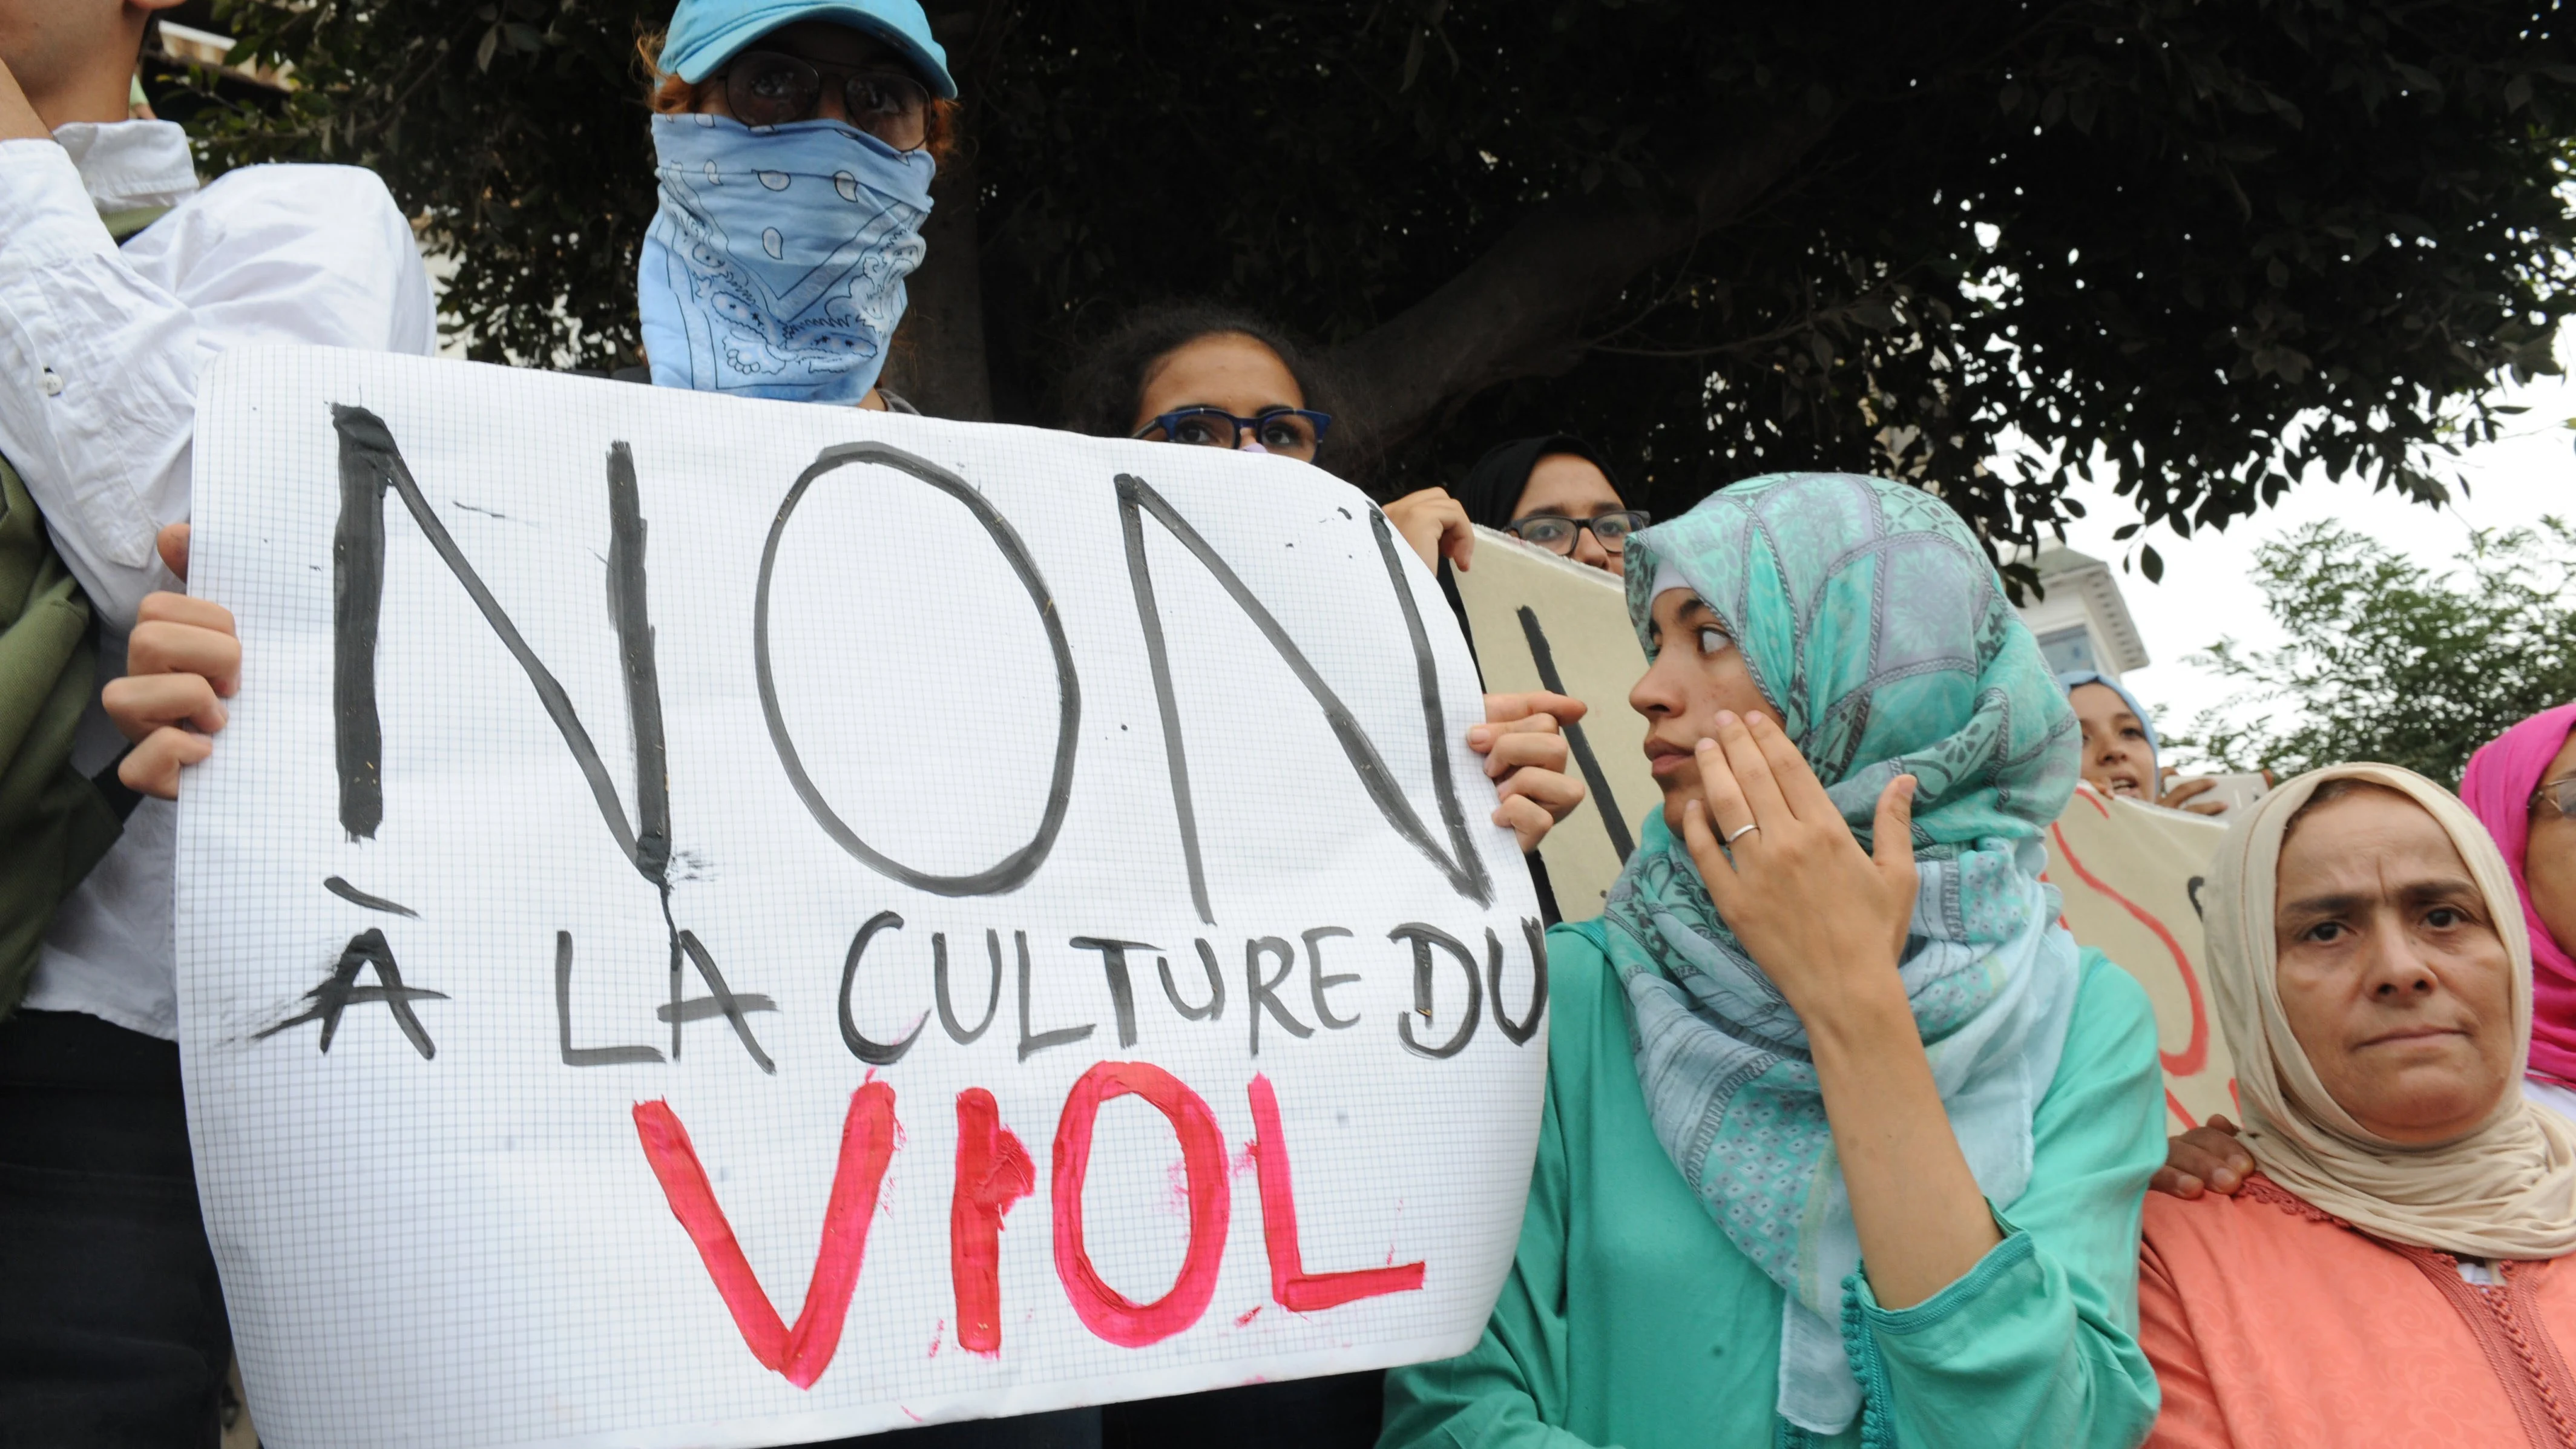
{"points": [[2561, 795], [1293, 431], [1556, 533], [765, 88]]}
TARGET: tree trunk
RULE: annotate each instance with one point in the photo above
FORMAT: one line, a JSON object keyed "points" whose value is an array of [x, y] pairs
{"points": [[1519, 310], [938, 363]]}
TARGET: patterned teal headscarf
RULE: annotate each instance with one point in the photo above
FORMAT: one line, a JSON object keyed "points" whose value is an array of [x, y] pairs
{"points": [[1875, 626]]}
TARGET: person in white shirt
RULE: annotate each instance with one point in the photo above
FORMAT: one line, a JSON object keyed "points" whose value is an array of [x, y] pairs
{"points": [[112, 1329]]}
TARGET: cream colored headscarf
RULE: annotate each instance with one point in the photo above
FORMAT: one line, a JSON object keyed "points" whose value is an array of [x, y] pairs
{"points": [[2507, 1189]]}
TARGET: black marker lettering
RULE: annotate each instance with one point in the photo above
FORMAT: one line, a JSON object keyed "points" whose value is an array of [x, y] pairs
{"points": [[872, 1053], [357, 607], [1519, 1032], [1031, 1045], [342, 991], [357, 897], [1317, 982], [1013, 870], [370, 464], [1424, 938], [721, 1001], [1584, 760], [573, 1056], [626, 610], [1122, 993], [1260, 995], [1215, 1009], [1464, 868], [939, 988]]}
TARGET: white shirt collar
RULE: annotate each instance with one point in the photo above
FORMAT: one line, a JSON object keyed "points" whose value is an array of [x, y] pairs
{"points": [[129, 164]]}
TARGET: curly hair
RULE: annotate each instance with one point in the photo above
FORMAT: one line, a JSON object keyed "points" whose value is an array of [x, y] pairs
{"points": [[1106, 385], [672, 96]]}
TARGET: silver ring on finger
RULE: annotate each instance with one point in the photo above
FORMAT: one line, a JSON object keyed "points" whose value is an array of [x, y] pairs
{"points": [[1740, 832]]}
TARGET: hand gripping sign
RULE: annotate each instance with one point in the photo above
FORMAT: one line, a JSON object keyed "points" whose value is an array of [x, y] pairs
{"points": [[740, 923], [1540, 621]]}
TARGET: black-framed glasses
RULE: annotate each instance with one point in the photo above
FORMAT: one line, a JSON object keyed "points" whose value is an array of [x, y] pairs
{"points": [[766, 88], [1294, 431], [1556, 533], [2561, 795]]}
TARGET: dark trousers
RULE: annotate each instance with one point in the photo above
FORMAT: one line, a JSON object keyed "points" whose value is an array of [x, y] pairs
{"points": [[1331, 1413], [1340, 1412], [112, 1329]]}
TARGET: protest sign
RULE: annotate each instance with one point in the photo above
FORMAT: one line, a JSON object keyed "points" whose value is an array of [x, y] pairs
{"points": [[737, 923], [2130, 873], [1543, 622], [2133, 877]]}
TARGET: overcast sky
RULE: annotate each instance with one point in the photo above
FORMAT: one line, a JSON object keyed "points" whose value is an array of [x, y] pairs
{"points": [[2208, 591]]}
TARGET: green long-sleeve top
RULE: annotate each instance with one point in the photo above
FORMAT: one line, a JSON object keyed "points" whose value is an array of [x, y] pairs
{"points": [[1629, 1319]]}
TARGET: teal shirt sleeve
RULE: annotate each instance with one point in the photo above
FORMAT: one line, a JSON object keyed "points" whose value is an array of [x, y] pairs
{"points": [[1503, 1393], [2038, 1344]]}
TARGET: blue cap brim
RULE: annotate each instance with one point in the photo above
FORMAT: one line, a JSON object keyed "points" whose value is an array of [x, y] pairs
{"points": [[698, 55]]}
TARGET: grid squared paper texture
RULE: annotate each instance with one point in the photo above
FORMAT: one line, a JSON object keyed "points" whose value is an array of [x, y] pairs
{"points": [[472, 1248]]}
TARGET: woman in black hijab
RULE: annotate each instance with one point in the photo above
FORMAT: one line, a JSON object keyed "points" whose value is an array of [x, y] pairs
{"points": [[1555, 492]]}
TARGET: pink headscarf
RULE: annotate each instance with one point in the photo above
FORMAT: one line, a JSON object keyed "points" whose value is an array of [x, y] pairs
{"points": [[2497, 789]]}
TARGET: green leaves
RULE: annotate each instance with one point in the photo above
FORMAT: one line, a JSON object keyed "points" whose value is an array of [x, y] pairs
{"points": [[2221, 245], [514, 128], [2389, 661]]}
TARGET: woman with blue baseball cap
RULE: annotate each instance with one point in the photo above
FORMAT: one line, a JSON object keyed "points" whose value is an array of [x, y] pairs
{"points": [[795, 142]]}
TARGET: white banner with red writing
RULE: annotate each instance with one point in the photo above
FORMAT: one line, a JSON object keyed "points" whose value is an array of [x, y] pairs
{"points": [[731, 923]]}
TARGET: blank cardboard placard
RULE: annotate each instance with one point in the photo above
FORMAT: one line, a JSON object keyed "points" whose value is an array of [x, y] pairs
{"points": [[734, 923], [1543, 622]]}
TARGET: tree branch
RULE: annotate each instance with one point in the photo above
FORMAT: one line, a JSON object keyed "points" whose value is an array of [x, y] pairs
{"points": [[1519, 310]]}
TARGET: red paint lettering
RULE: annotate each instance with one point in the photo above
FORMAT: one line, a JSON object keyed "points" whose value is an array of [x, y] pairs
{"points": [[803, 1352], [2195, 1052], [1297, 1290], [1103, 1309], [993, 1172]]}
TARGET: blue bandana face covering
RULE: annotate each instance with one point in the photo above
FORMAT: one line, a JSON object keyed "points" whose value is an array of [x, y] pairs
{"points": [[775, 266]]}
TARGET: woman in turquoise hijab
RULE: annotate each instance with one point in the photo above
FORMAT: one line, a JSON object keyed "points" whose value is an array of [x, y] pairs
{"points": [[1844, 1139]]}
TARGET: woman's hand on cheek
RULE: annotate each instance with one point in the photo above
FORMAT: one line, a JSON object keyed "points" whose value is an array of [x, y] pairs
{"points": [[1824, 919], [1523, 743]]}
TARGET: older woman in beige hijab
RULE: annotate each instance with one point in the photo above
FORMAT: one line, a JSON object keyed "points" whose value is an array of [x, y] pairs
{"points": [[2392, 1272]]}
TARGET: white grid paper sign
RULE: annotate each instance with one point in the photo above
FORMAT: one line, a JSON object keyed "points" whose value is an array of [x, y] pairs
{"points": [[591, 1041]]}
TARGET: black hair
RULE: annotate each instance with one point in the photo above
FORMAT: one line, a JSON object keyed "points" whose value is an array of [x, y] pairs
{"points": [[1107, 383], [1491, 491], [2332, 790]]}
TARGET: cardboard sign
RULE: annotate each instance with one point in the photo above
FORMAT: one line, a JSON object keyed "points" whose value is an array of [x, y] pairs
{"points": [[738, 923], [2133, 876], [1543, 622], [2130, 873]]}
